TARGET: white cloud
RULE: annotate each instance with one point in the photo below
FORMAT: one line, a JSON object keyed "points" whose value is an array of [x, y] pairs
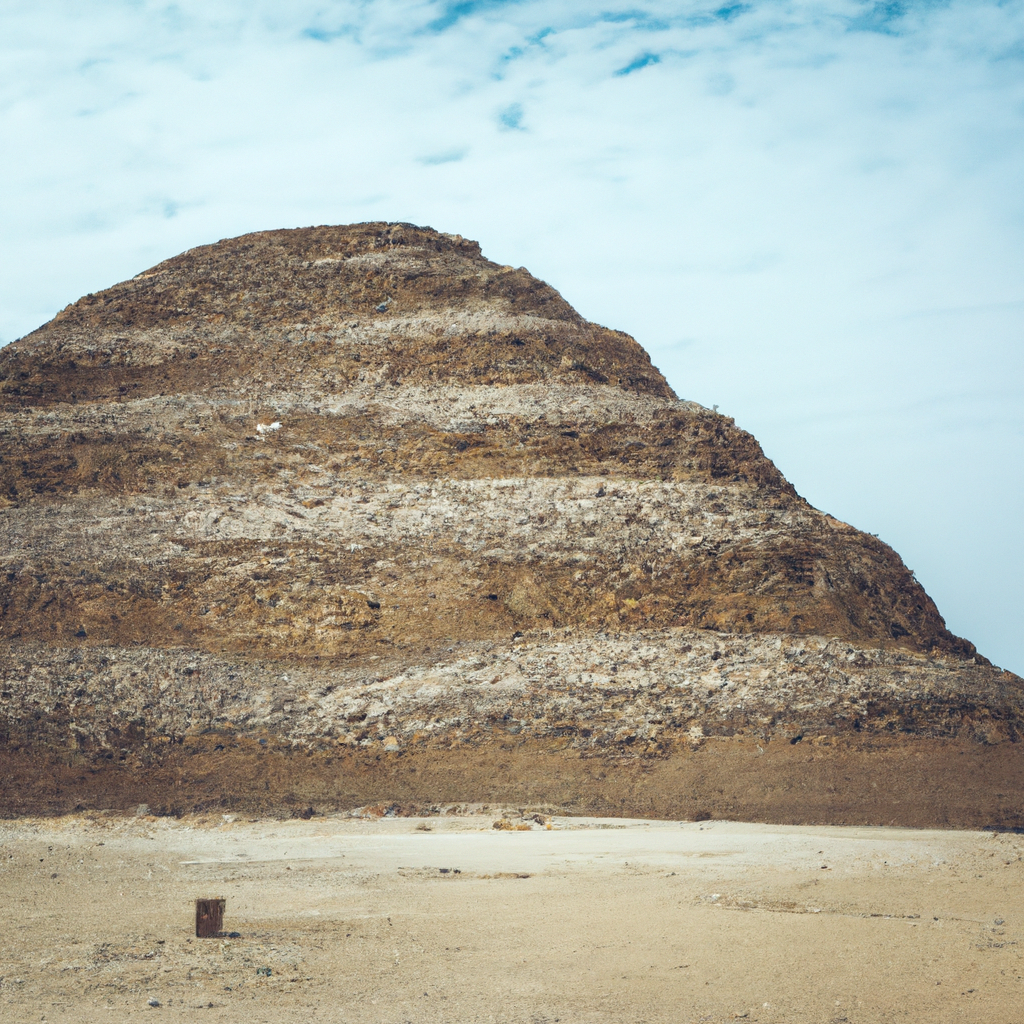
{"points": [[810, 212]]}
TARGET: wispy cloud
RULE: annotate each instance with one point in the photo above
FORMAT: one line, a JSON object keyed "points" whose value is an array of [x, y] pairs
{"points": [[511, 117], [452, 13], [326, 35], [448, 156], [642, 60], [880, 17]]}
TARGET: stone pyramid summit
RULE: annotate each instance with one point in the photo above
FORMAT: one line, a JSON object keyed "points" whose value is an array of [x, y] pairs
{"points": [[343, 516]]}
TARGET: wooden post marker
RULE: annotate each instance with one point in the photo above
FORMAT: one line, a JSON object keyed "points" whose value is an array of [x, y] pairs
{"points": [[209, 918]]}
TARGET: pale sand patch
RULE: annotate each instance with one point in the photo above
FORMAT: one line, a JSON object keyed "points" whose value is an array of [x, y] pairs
{"points": [[591, 920]]}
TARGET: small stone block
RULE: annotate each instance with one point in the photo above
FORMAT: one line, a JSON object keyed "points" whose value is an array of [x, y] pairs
{"points": [[209, 918]]}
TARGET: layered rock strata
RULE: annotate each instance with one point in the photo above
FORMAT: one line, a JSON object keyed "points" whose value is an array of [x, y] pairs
{"points": [[354, 491]]}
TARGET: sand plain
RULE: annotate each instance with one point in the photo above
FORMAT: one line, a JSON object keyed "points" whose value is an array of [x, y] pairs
{"points": [[447, 919]]}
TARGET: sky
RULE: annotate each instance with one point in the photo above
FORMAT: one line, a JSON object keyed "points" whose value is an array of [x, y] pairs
{"points": [[811, 214]]}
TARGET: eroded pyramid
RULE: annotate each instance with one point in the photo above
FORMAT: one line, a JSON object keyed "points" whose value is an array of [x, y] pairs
{"points": [[344, 515]]}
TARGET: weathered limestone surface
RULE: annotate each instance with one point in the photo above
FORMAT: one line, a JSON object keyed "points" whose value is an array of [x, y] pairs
{"points": [[654, 689], [360, 487]]}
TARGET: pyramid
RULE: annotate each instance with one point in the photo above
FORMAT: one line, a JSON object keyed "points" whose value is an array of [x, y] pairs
{"points": [[343, 516]]}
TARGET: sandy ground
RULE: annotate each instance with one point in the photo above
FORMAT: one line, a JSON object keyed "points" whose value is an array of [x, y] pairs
{"points": [[447, 919]]}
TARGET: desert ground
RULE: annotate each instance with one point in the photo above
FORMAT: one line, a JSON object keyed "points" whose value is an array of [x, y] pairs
{"points": [[548, 918]]}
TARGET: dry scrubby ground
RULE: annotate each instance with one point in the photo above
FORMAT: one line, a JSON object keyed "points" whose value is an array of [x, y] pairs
{"points": [[446, 918]]}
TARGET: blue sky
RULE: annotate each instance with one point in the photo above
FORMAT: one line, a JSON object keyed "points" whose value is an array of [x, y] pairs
{"points": [[810, 213]]}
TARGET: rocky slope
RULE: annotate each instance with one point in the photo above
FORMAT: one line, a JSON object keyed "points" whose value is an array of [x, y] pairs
{"points": [[361, 493]]}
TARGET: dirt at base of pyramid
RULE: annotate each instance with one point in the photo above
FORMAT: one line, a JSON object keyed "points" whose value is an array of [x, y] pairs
{"points": [[910, 783]]}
